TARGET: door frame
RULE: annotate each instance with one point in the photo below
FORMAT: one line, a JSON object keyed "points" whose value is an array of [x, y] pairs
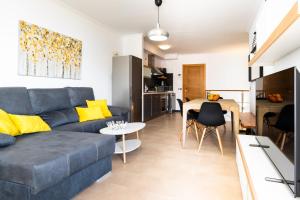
{"points": [[183, 75]]}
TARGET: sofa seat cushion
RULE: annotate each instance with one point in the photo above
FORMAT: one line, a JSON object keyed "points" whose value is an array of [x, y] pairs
{"points": [[6, 140], [42, 160], [88, 126], [60, 117]]}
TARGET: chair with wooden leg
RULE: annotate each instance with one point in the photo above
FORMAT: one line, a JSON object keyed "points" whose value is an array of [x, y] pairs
{"points": [[191, 118], [211, 116], [285, 124]]}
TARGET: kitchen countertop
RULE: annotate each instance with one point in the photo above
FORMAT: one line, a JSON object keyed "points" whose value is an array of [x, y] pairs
{"points": [[153, 92]]}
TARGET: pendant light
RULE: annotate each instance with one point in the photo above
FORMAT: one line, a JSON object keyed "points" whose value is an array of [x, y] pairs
{"points": [[158, 34]]}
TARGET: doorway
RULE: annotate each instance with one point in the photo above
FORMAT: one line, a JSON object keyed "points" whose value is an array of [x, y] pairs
{"points": [[193, 81]]}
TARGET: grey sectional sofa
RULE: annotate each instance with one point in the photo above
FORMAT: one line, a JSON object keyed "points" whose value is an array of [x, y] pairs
{"points": [[57, 164]]}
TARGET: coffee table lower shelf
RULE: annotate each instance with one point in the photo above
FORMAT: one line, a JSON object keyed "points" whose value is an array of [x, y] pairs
{"points": [[130, 145]]}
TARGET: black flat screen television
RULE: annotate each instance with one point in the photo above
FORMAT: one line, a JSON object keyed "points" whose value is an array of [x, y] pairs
{"points": [[277, 112]]}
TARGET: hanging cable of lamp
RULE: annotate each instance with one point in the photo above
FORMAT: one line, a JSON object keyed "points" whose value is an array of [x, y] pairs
{"points": [[158, 34]]}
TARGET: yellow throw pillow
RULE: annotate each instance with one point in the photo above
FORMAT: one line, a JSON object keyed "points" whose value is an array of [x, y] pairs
{"points": [[102, 104], [87, 114], [6, 125], [29, 124]]}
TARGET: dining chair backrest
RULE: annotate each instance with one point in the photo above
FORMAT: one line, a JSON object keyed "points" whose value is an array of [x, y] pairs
{"points": [[285, 120], [180, 106], [211, 114]]}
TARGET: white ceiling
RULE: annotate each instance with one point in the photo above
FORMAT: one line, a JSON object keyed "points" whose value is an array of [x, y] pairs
{"points": [[194, 25]]}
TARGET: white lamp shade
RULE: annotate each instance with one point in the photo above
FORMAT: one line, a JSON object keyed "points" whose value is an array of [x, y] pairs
{"points": [[158, 34]]}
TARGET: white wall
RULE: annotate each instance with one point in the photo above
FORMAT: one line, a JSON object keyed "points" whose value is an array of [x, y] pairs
{"points": [[224, 71], [99, 44], [153, 49], [132, 44]]}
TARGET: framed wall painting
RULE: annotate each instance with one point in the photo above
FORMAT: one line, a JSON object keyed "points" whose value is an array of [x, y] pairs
{"points": [[47, 53]]}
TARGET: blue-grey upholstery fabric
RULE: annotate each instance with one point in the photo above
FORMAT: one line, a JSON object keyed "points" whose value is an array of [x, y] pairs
{"points": [[45, 100], [15, 100], [89, 126], [119, 111], [6, 140], [56, 164], [42, 160], [65, 189], [79, 95], [60, 117]]}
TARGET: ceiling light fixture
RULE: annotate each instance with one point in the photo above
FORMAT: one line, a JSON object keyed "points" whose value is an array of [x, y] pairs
{"points": [[158, 34], [164, 46]]}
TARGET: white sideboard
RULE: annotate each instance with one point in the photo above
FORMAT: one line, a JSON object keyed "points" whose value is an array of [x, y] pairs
{"points": [[253, 166]]}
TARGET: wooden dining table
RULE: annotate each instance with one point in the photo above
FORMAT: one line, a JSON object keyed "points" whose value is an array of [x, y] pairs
{"points": [[226, 104]]}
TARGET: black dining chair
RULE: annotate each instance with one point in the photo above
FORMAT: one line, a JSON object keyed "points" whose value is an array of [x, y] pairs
{"points": [[285, 123], [191, 119], [267, 119], [223, 111], [211, 116], [192, 112]]}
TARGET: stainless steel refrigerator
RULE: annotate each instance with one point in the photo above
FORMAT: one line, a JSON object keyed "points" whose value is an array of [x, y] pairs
{"points": [[127, 85]]}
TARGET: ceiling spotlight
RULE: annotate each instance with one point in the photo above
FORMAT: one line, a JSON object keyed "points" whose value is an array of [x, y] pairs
{"points": [[164, 46], [158, 34]]}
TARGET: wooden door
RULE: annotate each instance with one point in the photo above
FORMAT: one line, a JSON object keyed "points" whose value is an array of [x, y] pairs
{"points": [[193, 81]]}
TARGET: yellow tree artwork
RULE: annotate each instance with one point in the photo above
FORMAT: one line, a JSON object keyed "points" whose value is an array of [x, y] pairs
{"points": [[47, 53]]}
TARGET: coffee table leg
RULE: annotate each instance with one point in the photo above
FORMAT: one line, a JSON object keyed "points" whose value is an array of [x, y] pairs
{"points": [[137, 135], [124, 149]]}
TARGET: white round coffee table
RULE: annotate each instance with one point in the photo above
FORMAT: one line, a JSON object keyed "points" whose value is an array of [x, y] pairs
{"points": [[125, 146]]}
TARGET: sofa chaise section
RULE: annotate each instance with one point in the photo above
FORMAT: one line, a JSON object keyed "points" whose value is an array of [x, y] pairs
{"points": [[40, 161], [60, 163]]}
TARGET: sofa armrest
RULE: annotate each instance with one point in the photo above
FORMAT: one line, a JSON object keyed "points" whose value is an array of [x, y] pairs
{"points": [[118, 111]]}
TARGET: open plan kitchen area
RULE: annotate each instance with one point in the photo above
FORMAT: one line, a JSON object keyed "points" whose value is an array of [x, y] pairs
{"points": [[159, 97], [150, 100]]}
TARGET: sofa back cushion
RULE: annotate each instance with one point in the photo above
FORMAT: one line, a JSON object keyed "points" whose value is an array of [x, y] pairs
{"points": [[46, 100], [60, 117], [79, 95], [15, 100]]}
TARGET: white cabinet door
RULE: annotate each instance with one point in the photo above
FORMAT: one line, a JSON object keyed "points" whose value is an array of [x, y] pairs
{"points": [[242, 174], [260, 26], [269, 17]]}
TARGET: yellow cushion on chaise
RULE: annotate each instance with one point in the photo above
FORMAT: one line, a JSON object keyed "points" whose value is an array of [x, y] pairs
{"points": [[87, 114], [102, 103], [29, 124], [6, 124]]}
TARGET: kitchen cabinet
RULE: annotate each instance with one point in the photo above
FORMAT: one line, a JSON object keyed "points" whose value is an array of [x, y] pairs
{"points": [[269, 17], [277, 26], [151, 60], [147, 72], [147, 107], [152, 106], [156, 105]]}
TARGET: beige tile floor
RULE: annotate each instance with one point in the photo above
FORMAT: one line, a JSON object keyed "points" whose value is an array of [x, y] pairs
{"points": [[162, 170]]}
